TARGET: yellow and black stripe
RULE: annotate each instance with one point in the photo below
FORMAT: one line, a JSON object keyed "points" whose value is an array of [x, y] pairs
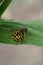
{"points": [[18, 35]]}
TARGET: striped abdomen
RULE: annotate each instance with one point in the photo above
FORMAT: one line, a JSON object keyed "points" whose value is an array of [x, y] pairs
{"points": [[18, 35]]}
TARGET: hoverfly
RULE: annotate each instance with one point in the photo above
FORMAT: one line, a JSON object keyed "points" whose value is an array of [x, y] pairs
{"points": [[19, 34]]}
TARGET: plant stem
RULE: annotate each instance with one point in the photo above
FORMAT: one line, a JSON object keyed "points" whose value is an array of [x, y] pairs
{"points": [[3, 6]]}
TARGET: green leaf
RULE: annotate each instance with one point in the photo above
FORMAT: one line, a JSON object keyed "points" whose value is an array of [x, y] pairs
{"points": [[34, 34], [1, 1], [3, 5]]}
